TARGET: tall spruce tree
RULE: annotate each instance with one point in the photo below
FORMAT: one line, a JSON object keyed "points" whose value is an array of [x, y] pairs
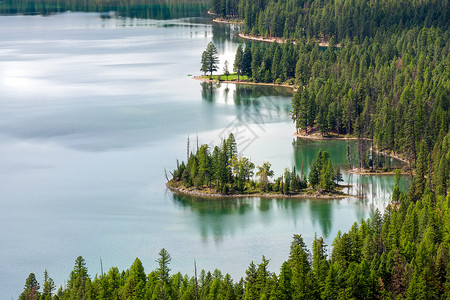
{"points": [[210, 59], [237, 65]]}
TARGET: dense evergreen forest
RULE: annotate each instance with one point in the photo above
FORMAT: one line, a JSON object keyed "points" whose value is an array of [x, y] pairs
{"points": [[293, 19], [387, 85]]}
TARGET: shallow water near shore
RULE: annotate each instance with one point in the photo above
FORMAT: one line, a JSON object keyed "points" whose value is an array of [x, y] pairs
{"points": [[93, 111]]}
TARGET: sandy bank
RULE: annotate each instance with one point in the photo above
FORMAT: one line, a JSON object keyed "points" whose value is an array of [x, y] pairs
{"points": [[322, 43], [314, 134], [263, 39]]}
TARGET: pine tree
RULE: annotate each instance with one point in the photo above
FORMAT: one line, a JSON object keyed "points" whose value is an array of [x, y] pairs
{"points": [[247, 61], [210, 59], [204, 67], [237, 66], [298, 259], [134, 286], [31, 288], [314, 174], [163, 274], [78, 281], [326, 176], [48, 287], [226, 72]]}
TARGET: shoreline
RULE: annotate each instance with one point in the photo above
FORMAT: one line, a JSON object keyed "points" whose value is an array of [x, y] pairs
{"points": [[318, 137], [321, 42], [263, 39], [358, 171], [197, 193], [205, 79], [315, 136], [224, 21]]}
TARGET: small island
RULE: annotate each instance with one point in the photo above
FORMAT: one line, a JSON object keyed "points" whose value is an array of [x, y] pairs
{"points": [[224, 173]]}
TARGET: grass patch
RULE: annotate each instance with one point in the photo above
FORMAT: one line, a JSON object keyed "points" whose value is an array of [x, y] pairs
{"points": [[231, 77]]}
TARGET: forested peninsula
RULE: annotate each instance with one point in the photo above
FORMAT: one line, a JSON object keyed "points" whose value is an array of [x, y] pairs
{"points": [[388, 84], [225, 173]]}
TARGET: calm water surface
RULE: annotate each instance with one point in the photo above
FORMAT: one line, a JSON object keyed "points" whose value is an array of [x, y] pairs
{"points": [[92, 112]]}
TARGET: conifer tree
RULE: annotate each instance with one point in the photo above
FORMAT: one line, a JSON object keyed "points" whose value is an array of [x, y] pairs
{"points": [[210, 59], [226, 71], [237, 65]]}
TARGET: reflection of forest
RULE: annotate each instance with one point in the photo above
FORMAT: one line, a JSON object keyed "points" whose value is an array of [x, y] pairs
{"points": [[367, 186], [218, 218], [154, 9], [223, 34], [261, 101], [255, 105]]}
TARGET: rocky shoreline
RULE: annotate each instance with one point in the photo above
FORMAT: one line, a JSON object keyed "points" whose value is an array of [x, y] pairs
{"points": [[197, 193]]}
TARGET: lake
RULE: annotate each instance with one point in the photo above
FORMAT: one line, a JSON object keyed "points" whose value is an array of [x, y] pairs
{"points": [[93, 110]]}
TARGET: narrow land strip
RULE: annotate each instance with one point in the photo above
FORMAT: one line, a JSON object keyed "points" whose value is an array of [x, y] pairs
{"points": [[206, 194], [207, 79]]}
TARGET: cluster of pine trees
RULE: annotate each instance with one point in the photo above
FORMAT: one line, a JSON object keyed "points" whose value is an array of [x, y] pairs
{"points": [[227, 172], [322, 173], [266, 64]]}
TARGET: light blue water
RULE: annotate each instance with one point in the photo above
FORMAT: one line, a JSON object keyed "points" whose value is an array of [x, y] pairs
{"points": [[92, 112]]}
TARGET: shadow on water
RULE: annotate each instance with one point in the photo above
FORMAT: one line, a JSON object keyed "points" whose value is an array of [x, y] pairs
{"points": [[223, 34], [259, 101], [154, 9], [320, 212], [374, 191], [218, 218]]}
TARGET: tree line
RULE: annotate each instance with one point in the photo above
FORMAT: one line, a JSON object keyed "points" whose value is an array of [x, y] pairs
{"points": [[402, 253], [225, 171], [391, 91], [294, 19], [157, 9]]}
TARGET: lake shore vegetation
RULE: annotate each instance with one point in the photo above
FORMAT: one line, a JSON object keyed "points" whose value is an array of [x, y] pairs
{"points": [[222, 171]]}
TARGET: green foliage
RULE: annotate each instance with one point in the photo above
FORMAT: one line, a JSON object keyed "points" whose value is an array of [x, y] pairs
{"points": [[388, 80], [237, 65], [227, 172], [31, 288], [321, 174], [210, 59], [164, 284], [383, 77], [78, 285]]}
